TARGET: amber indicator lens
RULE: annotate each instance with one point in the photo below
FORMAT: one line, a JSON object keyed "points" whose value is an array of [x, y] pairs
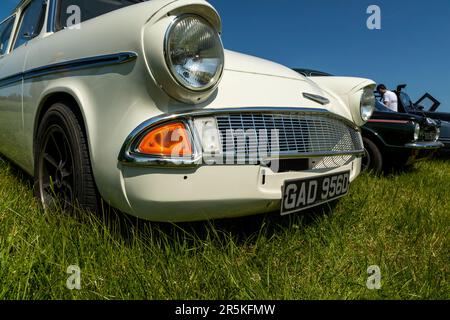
{"points": [[170, 140]]}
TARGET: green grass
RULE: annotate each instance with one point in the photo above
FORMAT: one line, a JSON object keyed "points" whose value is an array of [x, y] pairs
{"points": [[399, 222]]}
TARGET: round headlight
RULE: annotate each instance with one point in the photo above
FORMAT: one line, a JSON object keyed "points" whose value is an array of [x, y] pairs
{"points": [[367, 104], [194, 53], [417, 132]]}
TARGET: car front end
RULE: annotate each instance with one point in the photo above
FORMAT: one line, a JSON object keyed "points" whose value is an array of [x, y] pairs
{"points": [[426, 141], [235, 133], [404, 138], [179, 129], [239, 161]]}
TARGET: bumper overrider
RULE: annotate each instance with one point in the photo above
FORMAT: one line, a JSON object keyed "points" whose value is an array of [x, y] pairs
{"points": [[224, 163]]}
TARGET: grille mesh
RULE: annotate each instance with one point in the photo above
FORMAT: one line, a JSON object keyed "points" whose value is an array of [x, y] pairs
{"points": [[332, 162], [297, 134], [429, 135]]}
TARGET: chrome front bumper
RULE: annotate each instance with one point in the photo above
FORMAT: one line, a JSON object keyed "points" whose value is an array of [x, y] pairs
{"points": [[425, 145], [211, 192]]}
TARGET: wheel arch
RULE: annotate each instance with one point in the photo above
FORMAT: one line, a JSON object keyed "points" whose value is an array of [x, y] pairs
{"points": [[71, 99], [374, 137], [61, 95]]}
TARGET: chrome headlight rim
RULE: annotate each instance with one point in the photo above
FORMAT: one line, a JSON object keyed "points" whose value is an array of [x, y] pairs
{"points": [[417, 130], [367, 104], [216, 79]]}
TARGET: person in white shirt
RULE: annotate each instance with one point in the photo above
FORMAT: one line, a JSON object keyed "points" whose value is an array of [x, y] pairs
{"points": [[390, 99]]}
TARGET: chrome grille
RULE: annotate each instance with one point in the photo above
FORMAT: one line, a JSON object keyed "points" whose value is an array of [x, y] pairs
{"points": [[298, 134], [429, 135]]}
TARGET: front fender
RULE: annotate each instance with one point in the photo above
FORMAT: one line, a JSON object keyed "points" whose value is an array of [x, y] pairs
{"points": [[373, 136], [349, 90]]}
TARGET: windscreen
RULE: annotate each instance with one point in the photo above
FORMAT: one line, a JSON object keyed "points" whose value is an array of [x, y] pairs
{"points": [[87, 9], [381, 107]]}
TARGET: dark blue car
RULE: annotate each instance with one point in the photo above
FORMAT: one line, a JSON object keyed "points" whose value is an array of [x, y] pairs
{"points": [[427, 106]]}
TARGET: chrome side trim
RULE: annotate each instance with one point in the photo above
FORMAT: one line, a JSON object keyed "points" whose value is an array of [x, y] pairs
{"points": [[424, 145], [10, 80], [72, 65], [128, 156], [78, 64]]}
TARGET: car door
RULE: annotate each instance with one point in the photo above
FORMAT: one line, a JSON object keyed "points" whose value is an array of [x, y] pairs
{"points": [[29, 24], [10, 90]]}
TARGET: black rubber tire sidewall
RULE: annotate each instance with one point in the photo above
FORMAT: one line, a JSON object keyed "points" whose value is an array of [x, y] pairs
{"points": [[85, 192], [376, 158]]}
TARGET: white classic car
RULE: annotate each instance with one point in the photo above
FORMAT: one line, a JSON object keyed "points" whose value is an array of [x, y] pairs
{"points": [[137, 103]]}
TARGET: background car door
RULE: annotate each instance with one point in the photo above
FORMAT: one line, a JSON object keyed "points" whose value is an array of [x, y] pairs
{"points": [[12, 137], [427, 103]]}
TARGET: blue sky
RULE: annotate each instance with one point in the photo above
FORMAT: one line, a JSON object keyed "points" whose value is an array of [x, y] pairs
{"points": [[412, 47], [6, 6]]}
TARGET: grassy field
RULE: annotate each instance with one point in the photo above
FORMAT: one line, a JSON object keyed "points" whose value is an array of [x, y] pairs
{"points": [[399, 222]]}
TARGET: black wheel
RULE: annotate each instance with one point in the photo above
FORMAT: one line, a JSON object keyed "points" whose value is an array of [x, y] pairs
{"points": [[373, 159], [63, 174]]}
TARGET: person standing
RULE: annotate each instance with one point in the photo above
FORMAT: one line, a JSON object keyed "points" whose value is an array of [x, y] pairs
{"points": [[390, 99]]}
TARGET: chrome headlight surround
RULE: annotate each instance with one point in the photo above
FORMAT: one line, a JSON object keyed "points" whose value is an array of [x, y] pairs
{"points": [[185, 57], [361, 101], [416, 131], [163, 83], [367, 105]]}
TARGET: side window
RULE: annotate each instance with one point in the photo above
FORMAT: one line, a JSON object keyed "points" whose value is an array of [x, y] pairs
{"points": [[31, 22], [87, 9], [5, 34]]}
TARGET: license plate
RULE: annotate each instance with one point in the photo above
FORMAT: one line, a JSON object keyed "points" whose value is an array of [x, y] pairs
{"points": [[307, 193]]}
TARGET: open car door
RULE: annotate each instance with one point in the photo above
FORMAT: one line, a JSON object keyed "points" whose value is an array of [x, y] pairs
{"points": [[427, 103]]}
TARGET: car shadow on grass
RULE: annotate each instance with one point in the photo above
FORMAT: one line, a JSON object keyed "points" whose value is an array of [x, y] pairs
{"points": [[399, 170], [240, 230], [392, 171]]}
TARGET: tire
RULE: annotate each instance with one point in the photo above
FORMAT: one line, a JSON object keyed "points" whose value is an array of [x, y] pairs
{"points": [[63, 173], [373, 159]]}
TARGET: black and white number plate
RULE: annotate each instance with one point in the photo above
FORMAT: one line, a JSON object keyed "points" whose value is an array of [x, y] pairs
{"points": [[307, 193]]}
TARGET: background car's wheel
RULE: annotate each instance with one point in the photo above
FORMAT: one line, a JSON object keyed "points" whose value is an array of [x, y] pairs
{"points": [[373, 159], [63, 174]]}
